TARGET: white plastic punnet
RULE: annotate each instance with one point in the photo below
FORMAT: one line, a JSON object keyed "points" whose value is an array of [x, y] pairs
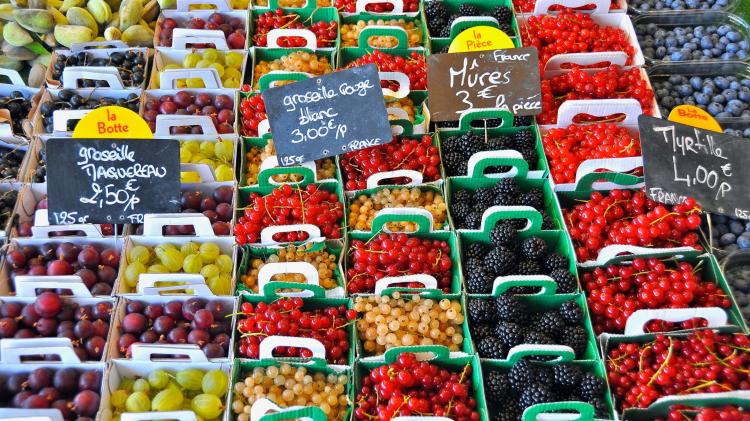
{"points": [[26, 286], [71, 75], [267, 345], [264, 406], [14, 77], [182, 38], [609, 252], [542, 6], [12, 351], [599, 108]]}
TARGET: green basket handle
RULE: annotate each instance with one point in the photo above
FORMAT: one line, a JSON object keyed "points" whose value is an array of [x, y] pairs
{"points": [[480, 161], [306, 413], [468, 116], [562, 352], [308, 177], [267, 79], [269, 290], [495, 214], [407, 127], [503, 283], [421, 217], [465, 22], [402, 38], [585, 410], [440, 352], [586, 182]]}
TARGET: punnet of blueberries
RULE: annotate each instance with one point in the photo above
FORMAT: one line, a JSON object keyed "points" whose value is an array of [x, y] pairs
{"points": [[737, 273], [667, 5], [720, 96], [728, 234], [692, 42]]}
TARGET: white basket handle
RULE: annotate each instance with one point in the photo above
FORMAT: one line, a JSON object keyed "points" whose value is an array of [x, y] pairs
{"points": [[563, 352], [483, 155], [221, 5], [168, 415], [399, 113], [418, 418], [182, 37], [311, 41], [166, 121], [398, 6], [273, 162], [636, 323], [492, 209], [71, 76], [209, 76], [267, 346], [610, 252], [618, 58], [484, 19], [26, 286], [269, 270], [414, 176], [404, 86], [189, 281], [14, 76], [144, 352], [405, 211], [599, 108], [204, 171], [42, 228], [80, 46], [621, 165], [427, 281], [267, 233], [12, 350], [154, 222], [263, 406], [60, 118], [16, 414], [264, 127], [542, 6]]}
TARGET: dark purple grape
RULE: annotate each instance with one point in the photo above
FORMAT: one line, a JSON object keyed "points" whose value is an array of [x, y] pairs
{"points": [[135, 307], [81, 353], [46, 327], [224, 194], [67, 251], [40, 378], [16, 259], [101, 328], [125, 341], [11, 309], [153, 311], [222, 339], [90, 380], [67, 312], [20, 398], [65, 325], [190, 306], [173, 309], [17, 383], [218, 328], [163, 324], [217, 308], [64, 407], [88, 277], [24, 334], [68, 333], [191, 199], [86, 403], [95, 347], [110, 258], [84, 329], [150, 336], [47, 251], [102, 310], [106, 274], [101, 288], [213, 350], [50, 394], [30, 251], [8, 327], [198, 337], [134, 323], [35, 402], [178, 335], [29, 316], [83, 313], [203, 319], [66, 381], [89, 257]]}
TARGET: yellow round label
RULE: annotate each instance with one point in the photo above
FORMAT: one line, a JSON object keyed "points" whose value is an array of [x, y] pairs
{"points": [[112, 122], [480, 38], [694, 116]]}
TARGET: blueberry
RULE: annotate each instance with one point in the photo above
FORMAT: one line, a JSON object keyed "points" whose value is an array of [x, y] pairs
{"points": [[746, 133], [696, 82], [670, 42], [715, 108], [727, 56], [721, 82], [734, 36], [719, 98], [660, 52], [729, 94], [708, 89], [706, 42], [723, 30], [715, 52], [743, 242], [736, 228], [727, 239], [723, 229], [741, 299], [723, 114], [732, 48], [701, 97], [743, 94], [742, 54], [730, 248], [677, 56]]}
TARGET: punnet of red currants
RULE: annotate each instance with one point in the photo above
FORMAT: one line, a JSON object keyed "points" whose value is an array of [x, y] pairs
{"points": [[326, 33], [330, 325], [350, 6], [49, 316], [219, 106], [690, 413], [189, 320], [96, 265], [72, 391], [232, 27], [413, 66], [252, 112]]}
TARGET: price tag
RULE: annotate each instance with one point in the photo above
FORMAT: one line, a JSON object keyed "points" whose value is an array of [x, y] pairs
{"points": [[111, 180], [681, 161], [499, 79], [694, 116], [329, 115], [112, 122]]}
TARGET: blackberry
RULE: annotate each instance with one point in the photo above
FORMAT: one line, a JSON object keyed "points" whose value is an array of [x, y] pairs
{"points": [[499, 143], [435, 10], [460, 210], [481, 311], [591, 387], [525, 139], [501, 260], [479, 281], [435, 25], [511, 309], [535, 337], [502, 235], [502, 199], [462, 196], [508, 29], [491, 347], [509, 333], [521, 375], [566, 282], [475, 251], [600, 408], [507, 186], [547, 222], [482, 330], [555, 261], [485, 197], [571, 313], [455, 163], [533, 198], [544, 375], [445, 31], [534, 248], [497, 385], [522, 121], [503, 14], [468, 10], [574, 337], [530, 155], [473, 264], [529, 267], [550, 323], [535, 394], [566, 375], [506, 415], [472, 221]]}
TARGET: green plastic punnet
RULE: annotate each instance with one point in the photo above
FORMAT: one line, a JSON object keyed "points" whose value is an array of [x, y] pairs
{"points": [[401, 214], [348, 55], [399, 119], [401, 35], [309, 15], [662, 406], [467, 22], [270, 54]]}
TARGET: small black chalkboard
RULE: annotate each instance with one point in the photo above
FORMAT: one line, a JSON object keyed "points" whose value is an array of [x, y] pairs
{"points": [[681, 161], [326, 116], [111, 180], [499, 79]]}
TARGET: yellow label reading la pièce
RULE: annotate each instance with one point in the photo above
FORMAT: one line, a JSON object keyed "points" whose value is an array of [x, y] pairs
{"points": [[112, 122], [480, 38], [694, 116]]}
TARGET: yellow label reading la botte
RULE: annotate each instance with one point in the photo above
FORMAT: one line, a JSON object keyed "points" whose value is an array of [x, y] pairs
{"points": [[112, 122], [694, 116], [480, 38]]}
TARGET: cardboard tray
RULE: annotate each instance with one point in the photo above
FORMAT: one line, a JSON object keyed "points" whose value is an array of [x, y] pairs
{"points": [[270, 79], [167, 78]]}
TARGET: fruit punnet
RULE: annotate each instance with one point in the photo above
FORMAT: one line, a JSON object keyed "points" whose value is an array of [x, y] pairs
{"points": [[288, 385], [227, 64], [217, 207], [617, 291], [458, 149], [510, 391], [397, 255], [218, 155], [386, 322], [573, 32], [350, 33], [233, 29], [18, 106], [688, 42], [293, 3], [68, 99], [205, 258], [72, 391], [440, 20], [688, 413], [325, 168], [325, 262], [499, 324], [701, 362], [527, 6], [509, 255], [131, 65], [720, 96], [413, 66], [97, 266], [409, 386], [296, 61], [518, 121], [193, 321], [290, 205], [611, 83], [219, 107], [49, 316], [630, 217], [191, 389], [288, 317], [568, 147], [399, 154], [24, 228], [350, 6], [7, 204], [364, 207], [326, 33]]}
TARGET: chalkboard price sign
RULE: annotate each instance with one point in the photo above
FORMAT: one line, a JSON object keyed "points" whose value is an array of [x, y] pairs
{"points": [[500, 79], [326, 116], [111, 180], [681, 161]]}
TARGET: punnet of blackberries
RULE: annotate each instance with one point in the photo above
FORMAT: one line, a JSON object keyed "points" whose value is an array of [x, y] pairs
{"points": [[467, 207], [507, 255], [68, 99], [458, 149], [510, 391], [486, 123], [18, 106], [131, 65], [499, 324], [440, 17]]}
